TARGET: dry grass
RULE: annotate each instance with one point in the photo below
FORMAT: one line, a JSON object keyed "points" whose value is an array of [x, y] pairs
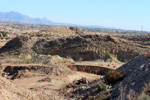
{"points": [[103, 96], [146, 90], [64, 88], [145, 95], [19, 93]]}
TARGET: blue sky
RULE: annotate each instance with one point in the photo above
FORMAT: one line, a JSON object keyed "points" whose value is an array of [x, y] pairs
{"points": [[124, 14]]}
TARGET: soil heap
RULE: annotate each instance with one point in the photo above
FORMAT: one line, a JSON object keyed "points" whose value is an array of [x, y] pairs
{"points": [[90, 47]]}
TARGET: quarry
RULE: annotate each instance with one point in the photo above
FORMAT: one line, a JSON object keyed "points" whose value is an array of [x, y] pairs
{"points": [[67, 63]]}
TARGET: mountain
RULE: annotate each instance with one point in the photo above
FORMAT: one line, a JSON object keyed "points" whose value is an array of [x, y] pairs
{"points": [[15, 16]]}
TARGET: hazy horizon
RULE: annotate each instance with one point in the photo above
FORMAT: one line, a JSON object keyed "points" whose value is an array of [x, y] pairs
{"points": [[125, 14]]}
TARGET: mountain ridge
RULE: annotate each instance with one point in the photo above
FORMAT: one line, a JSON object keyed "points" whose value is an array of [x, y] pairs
{"points": [[16, 16]]}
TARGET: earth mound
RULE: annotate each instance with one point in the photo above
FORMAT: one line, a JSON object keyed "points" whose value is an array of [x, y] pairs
{"points": [[136, 77], [59, 32], [70, 42], [90, 47], [10, 91], [23, 44], [18, 45]]}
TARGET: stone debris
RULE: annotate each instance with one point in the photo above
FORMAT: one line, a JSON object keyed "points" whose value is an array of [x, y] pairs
{"points": [[82, 81]]}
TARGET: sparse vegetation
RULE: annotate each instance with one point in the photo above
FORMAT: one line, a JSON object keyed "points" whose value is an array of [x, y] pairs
{"points": [[144, 97], [114, 66], [102, 87], [113, 76], [80, 59], [19, 93], [146, 90], [147, 55]]}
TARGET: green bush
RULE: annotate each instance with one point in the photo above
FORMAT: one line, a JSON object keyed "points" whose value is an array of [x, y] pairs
{"points": [[102, 87], [113, 76], [5, 34]]}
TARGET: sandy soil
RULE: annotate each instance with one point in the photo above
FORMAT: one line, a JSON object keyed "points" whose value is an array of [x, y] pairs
{"points": [[57, 81]]}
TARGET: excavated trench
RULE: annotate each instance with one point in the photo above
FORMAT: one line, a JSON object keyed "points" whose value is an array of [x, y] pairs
{"points": [[90, 69], [15, 71]]}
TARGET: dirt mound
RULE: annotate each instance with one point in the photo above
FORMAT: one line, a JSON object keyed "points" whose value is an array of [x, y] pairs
{"points": [[23, 44], [59, 32], [48, 59], [19, 45], [10, 91], [136, 76], [72, 45], [90, 47]]}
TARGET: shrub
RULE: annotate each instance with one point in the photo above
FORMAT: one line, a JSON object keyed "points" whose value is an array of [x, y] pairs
{"points": [[147, 55], [4, 34], [7, 38], [69, 57], [19, 93], [113, 76], [114, 66], [102, 87], [146, 90], [103, 96], [80, 59]]}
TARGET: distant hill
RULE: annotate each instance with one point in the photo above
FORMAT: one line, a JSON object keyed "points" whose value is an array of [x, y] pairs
{"points": [[15, 16], [18, 17]]}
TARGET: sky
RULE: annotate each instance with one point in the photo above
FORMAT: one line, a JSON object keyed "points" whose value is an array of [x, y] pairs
{"points": [[123, 14]]}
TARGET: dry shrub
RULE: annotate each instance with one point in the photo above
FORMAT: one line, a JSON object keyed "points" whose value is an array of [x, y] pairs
{"points": [[19, 93], [145, 95], [146, 90], [64, 87], [147, 55], [103, 96], [80, 59], [69, 57], [47, 79], [113, 77]]}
